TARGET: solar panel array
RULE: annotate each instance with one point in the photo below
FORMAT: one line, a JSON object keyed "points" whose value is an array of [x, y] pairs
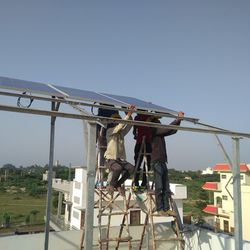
{"points": [[78, 94]]}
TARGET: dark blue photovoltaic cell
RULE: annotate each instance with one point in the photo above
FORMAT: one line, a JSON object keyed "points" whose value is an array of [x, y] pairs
{"points": [[86, 95], [27, 86], [140, 104]]}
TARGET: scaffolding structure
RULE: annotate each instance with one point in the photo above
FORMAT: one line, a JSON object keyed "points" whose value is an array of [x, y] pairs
{"points": [[56, 96], [109, 207]]}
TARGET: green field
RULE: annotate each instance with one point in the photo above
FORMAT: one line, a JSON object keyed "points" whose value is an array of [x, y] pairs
{"points": [[24, 210]]}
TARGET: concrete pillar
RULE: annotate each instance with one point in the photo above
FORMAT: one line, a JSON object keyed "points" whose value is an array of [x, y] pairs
{"points": [[59, 205]]}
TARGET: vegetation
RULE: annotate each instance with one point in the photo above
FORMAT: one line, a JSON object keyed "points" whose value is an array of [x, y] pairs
{"points": [[23, 196], [197, 198]]}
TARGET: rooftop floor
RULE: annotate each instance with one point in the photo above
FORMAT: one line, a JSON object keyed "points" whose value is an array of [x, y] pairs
{"points": [[195, 238]]}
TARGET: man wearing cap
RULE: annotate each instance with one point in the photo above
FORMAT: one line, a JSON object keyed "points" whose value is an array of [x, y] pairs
{"points": [[159, 165], [115, 154]]}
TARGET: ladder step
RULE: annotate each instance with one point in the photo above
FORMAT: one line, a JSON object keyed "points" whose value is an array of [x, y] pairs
{"points": [[103, 167], [104, 189], [151, 192], [116, 213], [124, 239], [161, 215], [170, 239], [150, 172]]}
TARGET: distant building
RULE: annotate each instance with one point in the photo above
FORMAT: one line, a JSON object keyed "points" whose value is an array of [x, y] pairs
{"points": [[45, 175], [223, 209], [208, 170]]}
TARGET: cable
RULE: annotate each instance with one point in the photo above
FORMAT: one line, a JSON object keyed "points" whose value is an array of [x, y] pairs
{"points": [[24, 106], [92, 109]]}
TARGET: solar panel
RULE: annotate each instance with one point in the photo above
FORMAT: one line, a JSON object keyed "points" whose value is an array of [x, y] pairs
{"points": [[140, 104], [28, 86], [79, 94]]}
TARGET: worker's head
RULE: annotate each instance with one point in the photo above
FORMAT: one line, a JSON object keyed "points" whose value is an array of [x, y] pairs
{"points": [[116, 116], [156, 119], [113, 124]]}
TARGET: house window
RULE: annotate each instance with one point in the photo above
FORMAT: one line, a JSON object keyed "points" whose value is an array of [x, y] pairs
{"points": [[224, 197], [241, 177], [76, 214], [218, 201], [135, 217], [78, 185], [76, 199], [226, 226], [223, 176]]}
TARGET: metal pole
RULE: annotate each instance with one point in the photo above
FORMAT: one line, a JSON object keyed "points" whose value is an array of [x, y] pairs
{"points": [[50, 171], [237, 195], [90, 189], [227, 158]]}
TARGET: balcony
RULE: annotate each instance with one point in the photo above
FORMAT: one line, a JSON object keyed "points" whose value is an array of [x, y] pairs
{"points": [[212, 186], [61, 185], [211, 209]]}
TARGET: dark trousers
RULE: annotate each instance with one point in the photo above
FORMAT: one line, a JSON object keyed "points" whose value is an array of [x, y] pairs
{"points": [[140, 159], [162, 189], [118, 167]]}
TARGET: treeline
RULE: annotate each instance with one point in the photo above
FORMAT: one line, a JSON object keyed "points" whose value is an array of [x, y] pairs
{"points": [[29, 179]]}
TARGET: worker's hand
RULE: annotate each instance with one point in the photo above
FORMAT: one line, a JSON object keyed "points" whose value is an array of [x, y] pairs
{"points": [[180, 115], [131, 107]]}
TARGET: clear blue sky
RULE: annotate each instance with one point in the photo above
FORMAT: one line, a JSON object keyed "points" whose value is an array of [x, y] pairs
{"points": [[192, 56]]}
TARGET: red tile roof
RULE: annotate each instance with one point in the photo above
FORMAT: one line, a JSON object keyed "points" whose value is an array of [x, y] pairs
{"points": [[210, 186], [210, 209], [224, 167]]}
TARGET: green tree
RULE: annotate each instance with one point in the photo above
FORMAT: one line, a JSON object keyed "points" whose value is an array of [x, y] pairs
{"points": [[203, 195], [6, 220], [34, 213], [27, 219]]}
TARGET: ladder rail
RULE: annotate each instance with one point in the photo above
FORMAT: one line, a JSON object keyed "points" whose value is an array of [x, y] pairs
{"points": [[123, 221]]}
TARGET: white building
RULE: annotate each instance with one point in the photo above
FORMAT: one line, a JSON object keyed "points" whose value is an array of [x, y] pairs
{"points": [[73, 195], [222, 208], [208, 170], [45, 175]]}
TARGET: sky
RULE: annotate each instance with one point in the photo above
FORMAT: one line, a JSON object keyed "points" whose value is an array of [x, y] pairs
{"points": [[190, 56]]}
